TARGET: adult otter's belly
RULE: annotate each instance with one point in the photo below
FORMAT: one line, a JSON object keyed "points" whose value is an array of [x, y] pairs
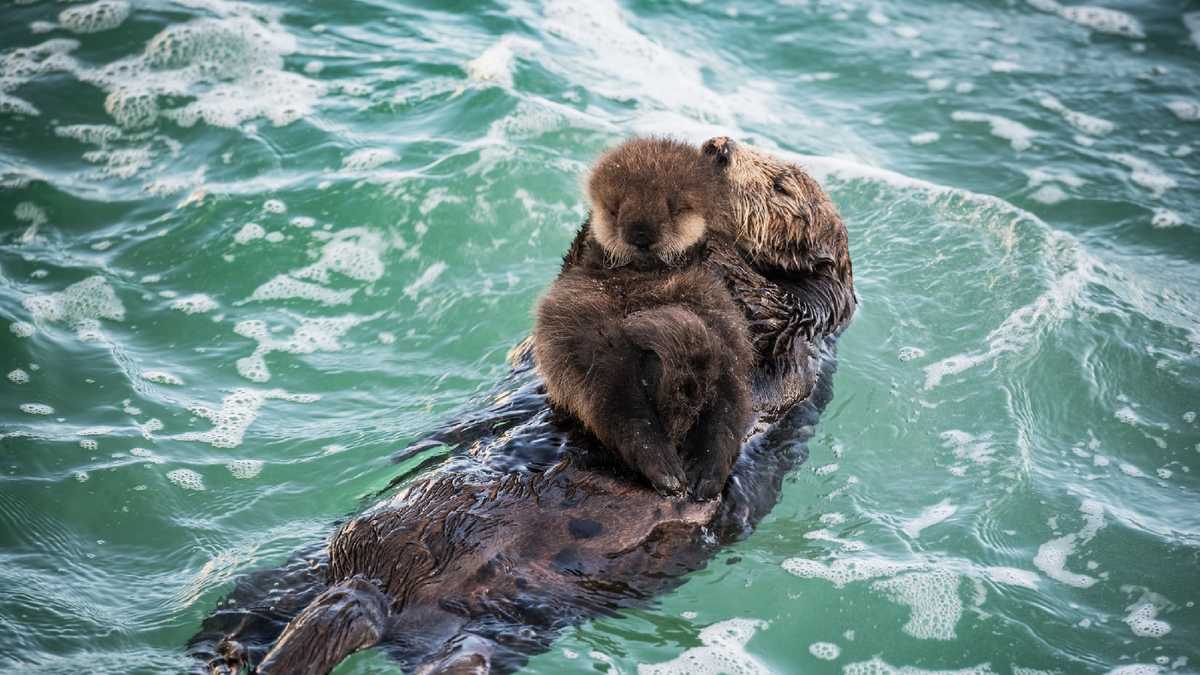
{"points": [[539, 544]]}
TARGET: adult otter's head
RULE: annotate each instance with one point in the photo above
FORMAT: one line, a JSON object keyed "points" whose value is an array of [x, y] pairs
{"points": [[777, 213], [652, 198]]}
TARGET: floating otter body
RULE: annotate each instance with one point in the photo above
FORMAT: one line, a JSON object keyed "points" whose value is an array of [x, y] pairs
{"points": [[527, 527], [640, 339]]}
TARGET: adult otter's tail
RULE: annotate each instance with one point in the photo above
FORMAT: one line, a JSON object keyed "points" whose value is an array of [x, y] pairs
{"points": [[347, 617], [687, 366]]}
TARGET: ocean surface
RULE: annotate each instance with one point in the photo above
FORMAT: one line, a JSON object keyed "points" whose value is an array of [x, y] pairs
{"points": [[248, 250]]}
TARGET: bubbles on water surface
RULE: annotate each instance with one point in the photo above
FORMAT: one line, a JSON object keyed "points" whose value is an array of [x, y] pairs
{"points": [[929, 517], [1017, 134], [198, 303], [186, 479], [933, 598], [161, 377], [826, 651], [723, 651], [95, 17], [878, 666], [245, 469], [238, 411], [1052, 556], [80, 306], [36, 409], [312, 335]]}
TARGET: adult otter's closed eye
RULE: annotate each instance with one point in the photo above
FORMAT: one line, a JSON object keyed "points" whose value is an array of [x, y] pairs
{"points": [[641, 340]]}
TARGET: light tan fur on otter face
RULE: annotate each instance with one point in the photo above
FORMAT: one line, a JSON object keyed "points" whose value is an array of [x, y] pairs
{"points": [[653, 191], [778, 213]]}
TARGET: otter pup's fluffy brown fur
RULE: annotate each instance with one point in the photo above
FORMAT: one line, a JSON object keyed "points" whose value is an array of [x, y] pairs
{"points": [[641, 340]]}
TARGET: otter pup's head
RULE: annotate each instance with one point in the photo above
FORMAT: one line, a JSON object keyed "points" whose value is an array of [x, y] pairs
{"points": [[651, 199], [777, 212]]}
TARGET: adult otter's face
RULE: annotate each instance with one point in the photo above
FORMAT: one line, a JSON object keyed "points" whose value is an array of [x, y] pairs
{"points": [[775, 207], [651, 198]]}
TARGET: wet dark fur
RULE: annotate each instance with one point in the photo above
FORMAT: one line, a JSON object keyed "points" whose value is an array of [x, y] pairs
{"points": [[526, 527], [651, 354]]}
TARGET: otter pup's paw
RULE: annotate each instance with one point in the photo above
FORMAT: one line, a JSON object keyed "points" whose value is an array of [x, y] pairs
{"points": [[655, 458], [664, 471]]}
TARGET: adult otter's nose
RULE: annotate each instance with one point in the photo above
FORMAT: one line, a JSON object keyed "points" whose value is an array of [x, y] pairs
{"points": [[720, 148]]}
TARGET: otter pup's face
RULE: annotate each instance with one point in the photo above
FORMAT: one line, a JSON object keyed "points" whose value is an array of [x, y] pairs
{"points": [[774, 205], [651, 198]]}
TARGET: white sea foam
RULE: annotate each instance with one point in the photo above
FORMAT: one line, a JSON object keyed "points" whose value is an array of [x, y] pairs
{"points": [[825, 651], [1166, 218], [18, 376], [21, 329], [248, 233], [80, 306], [1052, 556], [36, 409], [186, 479], [427, 277], [1146, 174], [238, 410], [495, 64], [924, 138], [844, 571], [877, 666], [723, 651], [1187, 110], [95, 17], [245, 469], [283, 287], [195, 304], [1088, 124], [367, 159], [1191, 20], [312, 335], [1104, 20], [1011, 576], [929, 517], [161, 377], [353, 252], [1017, 134], [1100, 19], [1143, 616], [933, 598]]}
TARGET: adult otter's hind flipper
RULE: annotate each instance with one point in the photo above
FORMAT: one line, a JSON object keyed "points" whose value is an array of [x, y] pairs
{"points": [[347, 617]]}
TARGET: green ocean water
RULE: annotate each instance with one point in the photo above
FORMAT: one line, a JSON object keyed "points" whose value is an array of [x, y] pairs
{"points": [[248, 250]]}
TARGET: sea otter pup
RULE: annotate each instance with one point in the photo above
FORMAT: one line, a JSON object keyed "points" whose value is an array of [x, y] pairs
{"points": [[640, 339]]}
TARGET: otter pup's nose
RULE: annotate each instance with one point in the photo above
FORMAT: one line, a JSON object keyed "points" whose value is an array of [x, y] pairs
{"points": [[641, 235], [719, 147]]}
